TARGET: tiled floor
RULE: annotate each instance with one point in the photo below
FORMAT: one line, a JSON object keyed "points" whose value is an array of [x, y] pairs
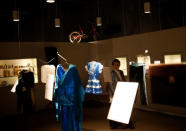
{"points": [[94, 120]]}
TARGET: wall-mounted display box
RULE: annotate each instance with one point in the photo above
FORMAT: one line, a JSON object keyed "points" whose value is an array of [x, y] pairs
{"points": [[9, 70]]}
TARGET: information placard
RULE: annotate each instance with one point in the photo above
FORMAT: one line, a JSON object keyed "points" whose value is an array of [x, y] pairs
{"points": [[122, 102], [49, 87]]}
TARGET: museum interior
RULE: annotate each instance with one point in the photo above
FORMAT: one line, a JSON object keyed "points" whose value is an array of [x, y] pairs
{"points": [[56, 65]]}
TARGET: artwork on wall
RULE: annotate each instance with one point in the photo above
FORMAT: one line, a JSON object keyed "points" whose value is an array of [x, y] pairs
{"points": [[9, 70]]}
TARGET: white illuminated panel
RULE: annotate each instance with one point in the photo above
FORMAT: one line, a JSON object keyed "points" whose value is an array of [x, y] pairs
{"points": [[122, 102], [45, 70], [13, 90], [157, 62], [123, 64], [171, 59], [145, 60], [49, 87]]}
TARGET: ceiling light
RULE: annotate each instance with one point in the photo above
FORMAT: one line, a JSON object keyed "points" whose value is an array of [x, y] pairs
{"points": [[146, 51], [98, 21], [57, 22], [50, 1], [98, 18], [147, 7], [15, 15]]}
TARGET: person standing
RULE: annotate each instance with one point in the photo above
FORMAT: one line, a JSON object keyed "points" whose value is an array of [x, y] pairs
{"points": [[117, 75]]}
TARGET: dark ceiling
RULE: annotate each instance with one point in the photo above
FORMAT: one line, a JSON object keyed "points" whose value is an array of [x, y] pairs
{"points": [[119, 18]]}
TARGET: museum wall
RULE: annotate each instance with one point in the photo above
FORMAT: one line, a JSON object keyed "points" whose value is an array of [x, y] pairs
{"points": [[158, 43], [75, 54], [15, 50]]}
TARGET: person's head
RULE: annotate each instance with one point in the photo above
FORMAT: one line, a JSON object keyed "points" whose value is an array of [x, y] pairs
{"points": [[116, 64]]}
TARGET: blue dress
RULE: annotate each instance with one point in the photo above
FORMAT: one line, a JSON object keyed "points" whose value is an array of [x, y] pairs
{"points": [[94, 69], [69, 96]]}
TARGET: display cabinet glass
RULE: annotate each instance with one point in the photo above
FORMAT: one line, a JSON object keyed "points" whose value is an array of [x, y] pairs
{"points": [[9, 70], [144, 59]]}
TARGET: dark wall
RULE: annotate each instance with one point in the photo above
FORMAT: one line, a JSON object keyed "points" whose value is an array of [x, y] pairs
{"points": [[119, 17], [168, 84]]}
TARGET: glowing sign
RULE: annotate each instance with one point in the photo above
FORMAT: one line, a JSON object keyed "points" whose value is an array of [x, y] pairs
{"points": [[122, 102], [49, 87]]}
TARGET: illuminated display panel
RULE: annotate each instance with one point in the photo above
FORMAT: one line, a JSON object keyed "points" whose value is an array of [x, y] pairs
{"points": [[145, 60], [9, 70], [122, 102], [172, 59], [123, 64]]}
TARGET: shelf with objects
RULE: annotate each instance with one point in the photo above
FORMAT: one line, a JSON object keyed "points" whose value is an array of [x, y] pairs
{"points": [[10, 68]]}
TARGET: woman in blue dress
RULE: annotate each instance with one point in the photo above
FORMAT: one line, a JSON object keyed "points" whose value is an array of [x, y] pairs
{"points": [[69, 96]]}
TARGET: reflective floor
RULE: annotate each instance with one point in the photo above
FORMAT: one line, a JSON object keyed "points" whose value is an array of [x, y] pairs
{"points": [[94, 120]]}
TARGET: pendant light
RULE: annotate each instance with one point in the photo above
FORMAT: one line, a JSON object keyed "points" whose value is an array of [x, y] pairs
{"points": [[147, 7], [15, 14], [50, 1], [57, 20], [98, 21], [98, 18]]}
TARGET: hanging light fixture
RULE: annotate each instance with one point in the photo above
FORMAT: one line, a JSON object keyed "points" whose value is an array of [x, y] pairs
{"points": [[15, 15], [15, 12], [50, 1], [98, 18], [98, 21], [147, 7], [57, 22]]}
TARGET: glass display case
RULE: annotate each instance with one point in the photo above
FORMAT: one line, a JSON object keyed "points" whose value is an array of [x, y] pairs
{"points": [[9, 70]]}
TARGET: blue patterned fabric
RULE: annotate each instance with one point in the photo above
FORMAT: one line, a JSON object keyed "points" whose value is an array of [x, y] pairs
{"points": [[94, 69], [69, 96]]}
